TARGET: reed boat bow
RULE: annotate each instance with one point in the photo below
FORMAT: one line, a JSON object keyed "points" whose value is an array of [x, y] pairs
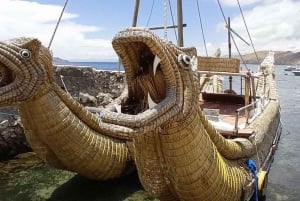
{"points": [[157, 123], [60, 130], [179, 153]]}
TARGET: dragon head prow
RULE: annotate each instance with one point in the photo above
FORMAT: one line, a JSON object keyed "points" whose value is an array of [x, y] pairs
{"points": [[159, 77], [25, 66], [158, 73]]}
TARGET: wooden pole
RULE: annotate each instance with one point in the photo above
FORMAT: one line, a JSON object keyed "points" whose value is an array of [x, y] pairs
{"points": [[136, 13], [180, 22], [168, 27], [229, 38], [229, 51], [253, 88], [247, 97]]}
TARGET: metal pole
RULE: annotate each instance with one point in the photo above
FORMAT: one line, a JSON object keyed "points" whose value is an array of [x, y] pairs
{"points": [[136, 13], [180, 22]]}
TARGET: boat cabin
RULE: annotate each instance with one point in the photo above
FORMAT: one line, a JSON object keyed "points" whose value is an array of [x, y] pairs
{"points": [[230, 110]]}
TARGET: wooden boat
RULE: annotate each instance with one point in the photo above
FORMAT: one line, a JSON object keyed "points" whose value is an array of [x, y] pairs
{"points": [[290, 68], [186, 141], [296, 72]]}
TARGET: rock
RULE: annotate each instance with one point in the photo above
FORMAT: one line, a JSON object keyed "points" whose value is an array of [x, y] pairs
{"points": [[3, 125], [89, 80], [104, 99], [12, 139], [91, 87], [87, 100]]}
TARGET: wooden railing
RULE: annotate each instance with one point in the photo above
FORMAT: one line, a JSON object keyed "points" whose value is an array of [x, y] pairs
{"points": [[262, 100]]}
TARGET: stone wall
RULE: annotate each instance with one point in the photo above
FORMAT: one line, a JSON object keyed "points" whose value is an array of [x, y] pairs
{"points": [[89, 86]]}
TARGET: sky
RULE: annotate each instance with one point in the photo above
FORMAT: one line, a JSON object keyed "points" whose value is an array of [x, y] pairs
{"points": [[88, 27]]}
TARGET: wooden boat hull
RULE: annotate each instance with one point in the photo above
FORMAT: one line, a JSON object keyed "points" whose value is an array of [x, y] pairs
{"points": [[297, 73]]}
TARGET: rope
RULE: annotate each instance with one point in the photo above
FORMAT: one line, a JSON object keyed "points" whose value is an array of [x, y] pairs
{"points": [[248, 31], [57, 24], [232, 37], [150, 14], [173, 21], [62, 80], [252, 166], [284, 127], [199, 14], [165, 20], [257, 156]]}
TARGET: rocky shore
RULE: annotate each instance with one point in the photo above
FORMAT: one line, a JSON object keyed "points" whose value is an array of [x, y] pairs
{"points": [[87, 85]]}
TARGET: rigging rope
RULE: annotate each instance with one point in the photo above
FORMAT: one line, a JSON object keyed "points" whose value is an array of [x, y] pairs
{"points": [[199, 14], [232, 37], [62, 81], [150, 14], [173, 21], [248, 31], [66, 2], [165, 20]]}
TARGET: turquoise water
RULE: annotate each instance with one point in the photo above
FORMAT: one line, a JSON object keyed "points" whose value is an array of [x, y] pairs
{"points": [[46, 183]]}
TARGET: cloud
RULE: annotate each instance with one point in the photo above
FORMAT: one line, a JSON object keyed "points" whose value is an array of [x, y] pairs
{"points": [[242, 2], [273, 25], [25, 18]]}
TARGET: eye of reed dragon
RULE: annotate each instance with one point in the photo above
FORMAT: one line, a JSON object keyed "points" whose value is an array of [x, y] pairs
{"points": [[160, 127]]}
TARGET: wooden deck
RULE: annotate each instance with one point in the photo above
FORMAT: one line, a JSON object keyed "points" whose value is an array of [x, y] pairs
{"points": [[225, 106]]}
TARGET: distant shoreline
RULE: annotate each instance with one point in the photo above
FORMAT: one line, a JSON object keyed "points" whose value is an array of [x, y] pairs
{"points": [[281, 58]]}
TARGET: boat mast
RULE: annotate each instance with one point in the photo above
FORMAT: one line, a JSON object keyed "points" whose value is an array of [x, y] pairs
{"points": [[180, 23], [179, 19], [136, 13], [229, 38]]}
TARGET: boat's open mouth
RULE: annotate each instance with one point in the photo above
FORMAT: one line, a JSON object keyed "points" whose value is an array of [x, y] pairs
{"points": [[147, 85], [6, 76], [151, 77]]}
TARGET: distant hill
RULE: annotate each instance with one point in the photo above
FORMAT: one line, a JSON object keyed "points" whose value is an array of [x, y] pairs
{"points": [[57, 60], [281, 57]]}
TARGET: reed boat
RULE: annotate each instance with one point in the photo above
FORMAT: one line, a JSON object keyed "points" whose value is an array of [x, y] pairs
{"points": [[187, 137]]}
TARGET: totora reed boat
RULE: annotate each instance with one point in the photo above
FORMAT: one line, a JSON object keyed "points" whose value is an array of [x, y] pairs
{"points": [[187, 137]]}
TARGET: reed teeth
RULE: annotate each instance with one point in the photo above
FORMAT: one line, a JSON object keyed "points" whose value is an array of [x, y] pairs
{"points": [[151, 103], [155, 64], [118, 108]]}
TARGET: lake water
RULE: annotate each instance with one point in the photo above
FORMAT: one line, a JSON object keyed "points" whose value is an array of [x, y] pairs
{"points": [[284, 178], [97, 65], [45, 183]]}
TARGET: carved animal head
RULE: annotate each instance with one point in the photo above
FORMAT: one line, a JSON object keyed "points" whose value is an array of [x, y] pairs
{"points": [[24, 69], [159, 77], [161, 84]]}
